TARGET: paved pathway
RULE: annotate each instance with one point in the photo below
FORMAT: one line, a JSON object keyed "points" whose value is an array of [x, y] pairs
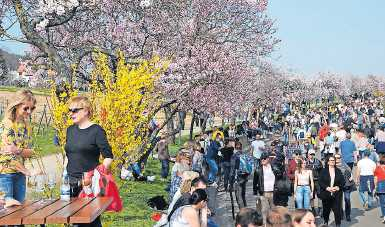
{"points": [[360, 218]]}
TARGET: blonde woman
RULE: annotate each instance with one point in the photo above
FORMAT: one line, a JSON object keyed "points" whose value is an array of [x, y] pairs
{"points": [[16, 145], [85, 142], [182, 164]]}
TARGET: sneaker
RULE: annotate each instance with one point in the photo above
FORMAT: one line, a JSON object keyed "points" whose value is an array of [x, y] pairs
{"points": [[366, 206], [383, 221], [348, 219], [214, 184]]}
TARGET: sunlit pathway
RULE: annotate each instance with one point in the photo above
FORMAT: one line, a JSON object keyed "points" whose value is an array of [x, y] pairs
{"points": [[360, 218]]}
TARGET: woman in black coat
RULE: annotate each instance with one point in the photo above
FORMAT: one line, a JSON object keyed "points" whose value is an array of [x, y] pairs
{"points": [[331, 182]]}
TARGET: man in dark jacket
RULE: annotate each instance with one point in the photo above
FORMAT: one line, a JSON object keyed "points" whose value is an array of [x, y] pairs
{"points": [[267, 176], [315, 165]]}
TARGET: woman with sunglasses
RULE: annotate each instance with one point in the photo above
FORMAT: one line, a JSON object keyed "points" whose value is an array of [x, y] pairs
{"points": [[331, 183], [85, 142], [16, 145], [194, 214]]}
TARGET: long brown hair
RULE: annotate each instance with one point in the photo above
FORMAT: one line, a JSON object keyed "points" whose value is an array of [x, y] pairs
{"points": [[299, 166]]}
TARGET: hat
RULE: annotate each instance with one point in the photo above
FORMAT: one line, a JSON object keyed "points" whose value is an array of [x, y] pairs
{"points": [[265, 155], [311, 151]]}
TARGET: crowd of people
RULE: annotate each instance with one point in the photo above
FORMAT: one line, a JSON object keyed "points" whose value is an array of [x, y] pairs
{"points": [[317, 154]]}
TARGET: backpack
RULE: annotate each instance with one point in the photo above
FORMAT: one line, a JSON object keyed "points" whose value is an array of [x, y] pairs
{"points": [[302, 134], [245, 165]]}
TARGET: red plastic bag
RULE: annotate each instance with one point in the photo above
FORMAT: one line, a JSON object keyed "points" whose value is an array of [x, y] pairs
{"points": [[108, 188]]}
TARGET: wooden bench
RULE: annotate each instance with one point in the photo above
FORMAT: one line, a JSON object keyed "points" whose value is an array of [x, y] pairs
{"points": [[78, 210]]}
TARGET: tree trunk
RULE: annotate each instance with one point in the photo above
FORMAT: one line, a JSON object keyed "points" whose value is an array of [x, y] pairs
{"points": [[170, 123], [182, 118], [204, 124], [192, 125]]}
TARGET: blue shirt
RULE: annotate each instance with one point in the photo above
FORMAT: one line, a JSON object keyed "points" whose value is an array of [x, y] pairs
{"points": [[347, 148]]}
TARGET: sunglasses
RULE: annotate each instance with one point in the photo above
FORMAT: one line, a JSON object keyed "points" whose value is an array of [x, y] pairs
{"points": [[312, 154], [25, 109], [74, 110]]}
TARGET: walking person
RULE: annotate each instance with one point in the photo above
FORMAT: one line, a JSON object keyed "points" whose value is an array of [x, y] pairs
{"points": [[211, 157], [348, 150], [316, 167], [241, 168], [379, 179], [303, 186], [85, 142], [163, 155], [331, 182], [227, 152], [348, 187], [365, 179], [15, 146], [265, 180]]}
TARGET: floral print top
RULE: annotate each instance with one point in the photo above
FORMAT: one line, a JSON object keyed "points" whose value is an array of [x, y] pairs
{"points": [[18, 134]]}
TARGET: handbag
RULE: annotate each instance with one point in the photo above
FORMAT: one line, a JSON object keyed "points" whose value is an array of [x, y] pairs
{"points": [[283, 186], [103, 184]]}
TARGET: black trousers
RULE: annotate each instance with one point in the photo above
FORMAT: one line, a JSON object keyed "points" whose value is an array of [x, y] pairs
{"points": [[334, 205], [240, 191]]}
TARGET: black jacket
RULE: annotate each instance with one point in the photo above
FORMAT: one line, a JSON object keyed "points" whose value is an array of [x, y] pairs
{"points": [[316, 167], [258, 184], [324, 182]]}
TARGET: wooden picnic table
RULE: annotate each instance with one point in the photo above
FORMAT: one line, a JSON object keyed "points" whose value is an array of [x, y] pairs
{"points": [[55, 211]]}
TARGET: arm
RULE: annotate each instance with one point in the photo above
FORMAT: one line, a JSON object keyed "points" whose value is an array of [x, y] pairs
{"points": [[105, 148], [358, 170], [295, 182], [311, 181]]}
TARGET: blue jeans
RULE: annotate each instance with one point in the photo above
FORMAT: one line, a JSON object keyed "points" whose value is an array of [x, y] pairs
{"points": [[366, 199], [13, 185], [302, 197], [165, 168], [382, 203], [348, 206], [211, 222], [213, 170]]}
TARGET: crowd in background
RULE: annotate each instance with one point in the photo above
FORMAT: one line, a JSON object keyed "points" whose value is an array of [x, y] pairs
{"points": [[317, 155]]}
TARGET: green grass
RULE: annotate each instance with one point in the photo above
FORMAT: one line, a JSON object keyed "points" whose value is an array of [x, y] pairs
{"points": [[43, 142], [135, 196], [36, 91]]}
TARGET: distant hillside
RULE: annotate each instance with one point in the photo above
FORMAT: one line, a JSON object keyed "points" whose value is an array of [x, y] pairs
{"points": [[11, 60]]}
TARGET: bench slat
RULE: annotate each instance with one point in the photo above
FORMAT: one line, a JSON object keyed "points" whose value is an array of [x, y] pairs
{"points": [[63, 215], [10, 210], [16, 217], [90, 212], [40, 216]]}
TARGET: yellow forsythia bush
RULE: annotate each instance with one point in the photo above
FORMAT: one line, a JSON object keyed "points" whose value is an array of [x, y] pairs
{"points": [[123, 103]]}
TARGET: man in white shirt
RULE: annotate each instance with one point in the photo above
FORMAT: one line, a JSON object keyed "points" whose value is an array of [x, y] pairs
{"points": [[258, 147], [365, 179]]}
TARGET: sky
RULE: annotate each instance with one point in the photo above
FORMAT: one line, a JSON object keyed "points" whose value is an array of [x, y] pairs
{"points": [[342, 36]]}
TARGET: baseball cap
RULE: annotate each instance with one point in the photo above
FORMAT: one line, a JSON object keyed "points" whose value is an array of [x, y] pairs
{"points": [[311, 151]]}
